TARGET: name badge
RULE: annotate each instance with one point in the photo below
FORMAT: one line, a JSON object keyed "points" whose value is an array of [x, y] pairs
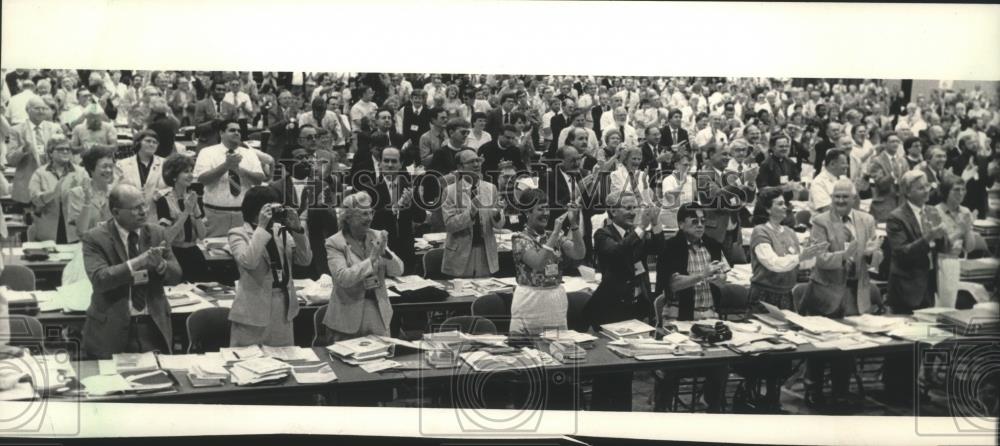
{"points": [[783, 179], [140, 277], [552, 270], [514, 219], [639, 269], [794, 159], [371, 282], [414, 128]]}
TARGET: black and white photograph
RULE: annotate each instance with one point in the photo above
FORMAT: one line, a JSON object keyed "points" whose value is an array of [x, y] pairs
{"points": [[390, 235]]}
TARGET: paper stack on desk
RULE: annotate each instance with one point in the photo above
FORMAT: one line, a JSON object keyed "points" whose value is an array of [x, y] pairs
{"points": [[315, 291], [816, 324], [233, 354], [135, 362], [358, 350], [290, 353], [585, 340], [313, 373], [525, 359], [258, 370], [870, 323], [567, 352], [630, 329]]}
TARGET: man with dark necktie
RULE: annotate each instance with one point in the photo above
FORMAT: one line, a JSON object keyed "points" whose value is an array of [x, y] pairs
{"points": [[128, 261]]}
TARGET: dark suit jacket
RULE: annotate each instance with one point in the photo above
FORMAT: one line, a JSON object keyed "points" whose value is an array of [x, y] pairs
{"points": [[399, 226], [667, 139], [614, 299], [595, 114], [415, 125], [558, 123], [673, 258], [494, 123], [911, 282], [772, 169], [105, 331], [204, 111], [934, 181], [493, 155]]}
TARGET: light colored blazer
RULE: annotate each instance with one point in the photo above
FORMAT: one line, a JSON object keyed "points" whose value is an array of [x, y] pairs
{"points": [[74, 200], [828, 283], [457, 213], [254, 290], [349, 268], [46, 223], [26, 155], [128, 173]]}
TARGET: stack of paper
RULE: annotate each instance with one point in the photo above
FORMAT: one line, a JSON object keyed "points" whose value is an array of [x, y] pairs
{"points": [[135, 362], [357, 350], [567, 352], [203, 369], [411, 283], [630, 329], [816, 324], [315, 292], [762, 346], [739, 274], [870, 323], [855, 342], [525, 359], [233, 354], [290, 353], [379, 365], [585, 340], [930, 314], [920, 332], [258, 370], [313, 373], [671, 345]]}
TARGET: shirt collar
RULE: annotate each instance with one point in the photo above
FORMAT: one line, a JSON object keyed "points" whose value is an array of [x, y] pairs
{"points": [[916, 209], [123, 233]]}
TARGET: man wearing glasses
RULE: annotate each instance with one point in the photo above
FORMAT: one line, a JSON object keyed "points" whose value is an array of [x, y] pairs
{"points": [[227, 170], [128, 262], [471, 211]]}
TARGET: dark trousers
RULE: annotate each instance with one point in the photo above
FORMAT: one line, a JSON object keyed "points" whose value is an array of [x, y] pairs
{"points": [[714, 386], [612, 392], [840, 374], [144, 336]]}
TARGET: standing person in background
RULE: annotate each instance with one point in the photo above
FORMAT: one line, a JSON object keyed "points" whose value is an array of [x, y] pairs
{"points": [[179, 210], [87, 204], [265, 247], [27, 148], [162, 121], [227, 170], [470, 210], [144, 170], [49, 191]]}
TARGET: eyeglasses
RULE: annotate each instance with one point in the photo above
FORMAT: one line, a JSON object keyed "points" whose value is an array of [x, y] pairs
{"points": [[473, 161], [696, 220], [137, 208], [62, 150], [308, 138]]}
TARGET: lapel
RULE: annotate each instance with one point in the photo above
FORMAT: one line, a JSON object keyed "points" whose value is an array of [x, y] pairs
{"points": [[116, 240], [911, 219]]}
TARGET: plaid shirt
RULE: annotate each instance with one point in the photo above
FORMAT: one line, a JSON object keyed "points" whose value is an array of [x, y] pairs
{"points": [[698, 262]]}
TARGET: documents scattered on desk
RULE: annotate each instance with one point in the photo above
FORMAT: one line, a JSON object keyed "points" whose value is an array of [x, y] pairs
{"points": [[922, 332], [233, 354], [290, 353], [794, 338], [100, 385], [855, 342], [313, 373], [630, 329], [135, 362], [972, 321], [315, 291], [762, 346], [587, 273], [379, 365], [817, 324], [435, 236], [574, 284], [403, 284], [361, 349], [585, 340], [930, 314], [567, 352], [870, 323], [526, 358], [48, 245], [739, 274], [257, 370], [177, 362]]}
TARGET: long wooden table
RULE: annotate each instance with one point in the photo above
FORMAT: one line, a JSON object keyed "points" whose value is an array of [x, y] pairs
{"points": [[600, 360]]}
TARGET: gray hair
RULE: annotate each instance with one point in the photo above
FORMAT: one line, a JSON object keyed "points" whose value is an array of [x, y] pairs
{"points": [[907, 180], [846, 184], [615, 198], [353, 205]]}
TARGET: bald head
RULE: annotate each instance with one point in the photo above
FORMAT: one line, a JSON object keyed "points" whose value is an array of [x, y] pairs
{"points": [[128, 206], [37, 109]]}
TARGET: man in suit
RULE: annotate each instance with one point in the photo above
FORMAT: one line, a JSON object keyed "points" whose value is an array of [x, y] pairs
{"points": [[470, 212], [500, 150], [416, 118], [558, 123], [27, 148], [833, 132], [502, 116], [395, 212], [934, 170], [672, 136], [839, 285], [212, 107], [724, 195], [913, 230], [128, 261], [622, 248]]}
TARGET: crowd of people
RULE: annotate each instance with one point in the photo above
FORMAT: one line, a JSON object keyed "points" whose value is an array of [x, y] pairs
{"points": [[603, 171]]}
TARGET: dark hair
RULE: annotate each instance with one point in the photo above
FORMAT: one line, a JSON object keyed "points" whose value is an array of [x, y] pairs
{"points": [[909, 142], [676, 111], [779, 135], [699, 116], [530, 199], [174, 166], [508, 128], [255, 199], [454, 123], [478, 115], [507, 96], [137, 139], [319, 102], [221, 124], [436, 111], [91, 157], [948, 182], [832, 155], [687, 210], [518, 116], [766, 197]]}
